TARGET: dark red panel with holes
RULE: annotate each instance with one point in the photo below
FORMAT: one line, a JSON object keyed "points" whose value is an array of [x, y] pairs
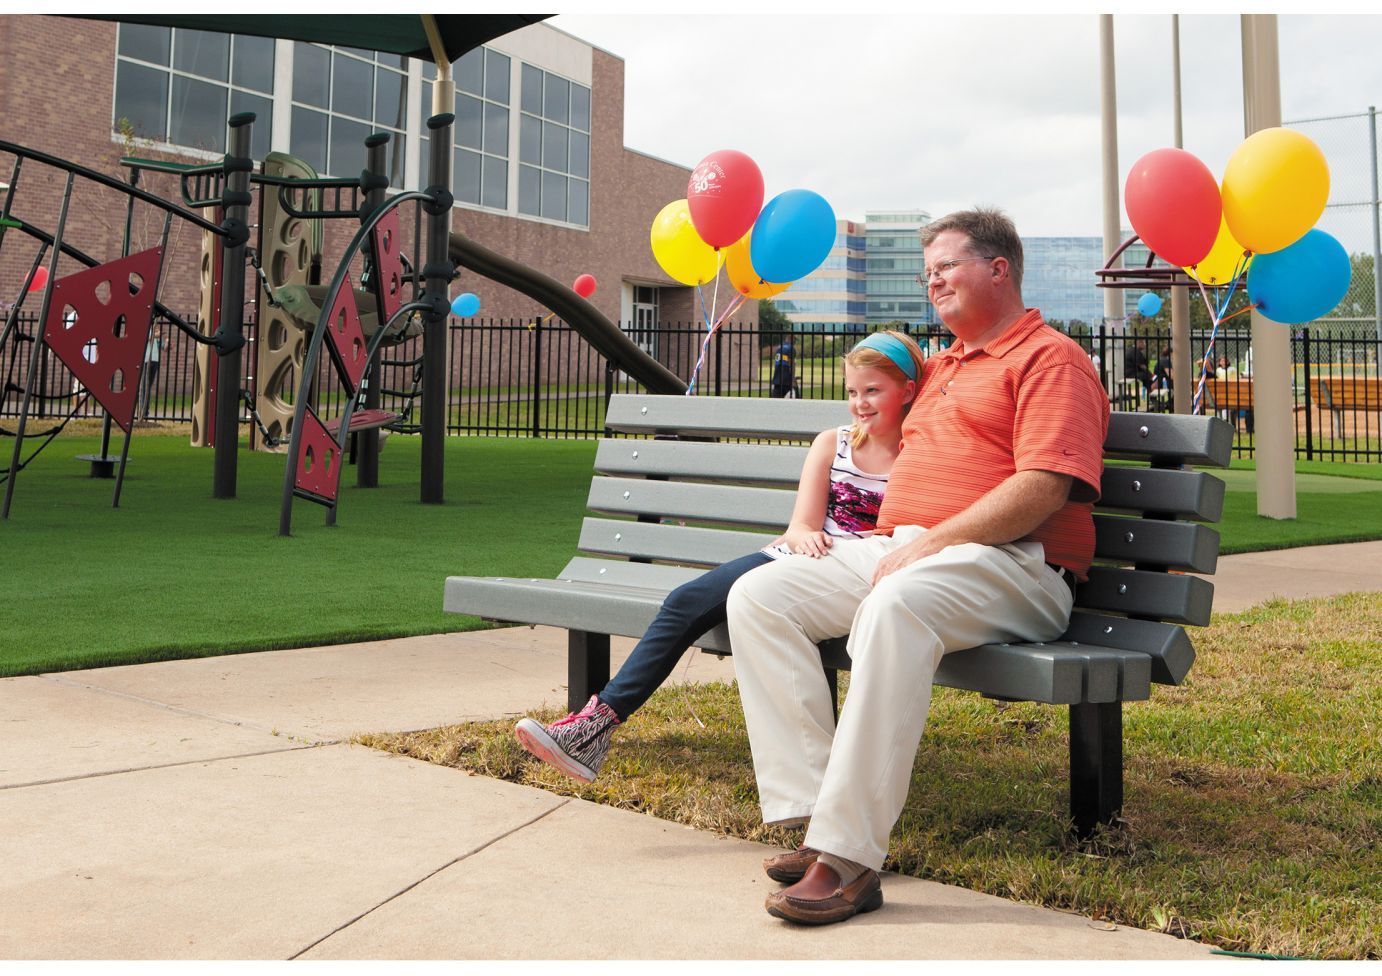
{"points": [[388, 265], [103, 345], [346, 338], [318, 460]]}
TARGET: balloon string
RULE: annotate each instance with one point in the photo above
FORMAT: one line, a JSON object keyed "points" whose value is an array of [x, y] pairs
{"points": [[705, 343], [1209, 350]]}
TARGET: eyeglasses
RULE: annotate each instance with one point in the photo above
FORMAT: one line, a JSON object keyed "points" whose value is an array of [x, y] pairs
{"points": [[945, 267]]}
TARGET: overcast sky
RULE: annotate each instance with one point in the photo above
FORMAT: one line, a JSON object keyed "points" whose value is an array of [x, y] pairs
{"points": [[890, 111]]}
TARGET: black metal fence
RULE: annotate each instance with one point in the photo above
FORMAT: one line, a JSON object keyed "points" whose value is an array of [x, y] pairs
{"points": [[525, 378]]}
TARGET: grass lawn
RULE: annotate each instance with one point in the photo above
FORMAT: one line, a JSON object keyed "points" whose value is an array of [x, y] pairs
{"points": [[174, 573], [1252, 818]]}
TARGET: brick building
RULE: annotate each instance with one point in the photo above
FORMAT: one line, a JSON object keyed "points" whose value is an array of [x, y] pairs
{"points": [[541, 172]]}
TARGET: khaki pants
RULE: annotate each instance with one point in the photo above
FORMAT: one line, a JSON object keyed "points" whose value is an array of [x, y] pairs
{"points": [[852, 782]]}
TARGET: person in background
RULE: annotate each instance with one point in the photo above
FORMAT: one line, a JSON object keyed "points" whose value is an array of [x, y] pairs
{"points": [[784, 381]]}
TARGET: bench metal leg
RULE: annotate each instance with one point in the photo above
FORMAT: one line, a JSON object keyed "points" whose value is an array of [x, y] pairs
{"points": [[1096, 764], [587, 666]]}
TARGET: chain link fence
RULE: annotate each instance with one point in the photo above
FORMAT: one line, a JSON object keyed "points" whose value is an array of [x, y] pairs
{"points": [[1351, 145]]}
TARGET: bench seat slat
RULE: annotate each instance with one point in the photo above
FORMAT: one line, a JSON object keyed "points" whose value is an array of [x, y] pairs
{"points": [[681, 460], [733, 504], [676, 543], [583, 569], [1140, 593], [1186, 494], [1056, 673], [1178, 545], [724, 416]]}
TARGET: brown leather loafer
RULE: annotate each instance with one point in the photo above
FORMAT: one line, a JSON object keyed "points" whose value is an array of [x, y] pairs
{"points": [[819, 899], [790, 867]]}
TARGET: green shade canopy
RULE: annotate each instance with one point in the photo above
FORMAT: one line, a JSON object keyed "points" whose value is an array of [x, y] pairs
{"points": [[395, 33]]}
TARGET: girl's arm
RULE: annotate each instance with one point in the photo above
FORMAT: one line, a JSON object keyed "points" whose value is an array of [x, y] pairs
{"points": [[808, 515]]}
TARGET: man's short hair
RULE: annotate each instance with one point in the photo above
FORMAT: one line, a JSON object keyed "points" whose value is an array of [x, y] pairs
{"points": [[990, 231]]}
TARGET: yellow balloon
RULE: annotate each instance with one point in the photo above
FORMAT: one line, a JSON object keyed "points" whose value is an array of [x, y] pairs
{"points": [[1275, 187], [747, 281], [679, 249], [1217, 267]]}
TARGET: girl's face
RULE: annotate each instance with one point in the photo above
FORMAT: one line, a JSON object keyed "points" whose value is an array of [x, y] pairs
{"points": [[876, 398]]}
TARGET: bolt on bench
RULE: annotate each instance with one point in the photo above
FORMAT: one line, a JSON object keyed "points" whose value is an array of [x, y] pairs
{"points": [[683, 500]]}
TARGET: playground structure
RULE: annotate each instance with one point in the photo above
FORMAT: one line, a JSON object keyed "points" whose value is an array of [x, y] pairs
{"points": [[295, 315]]}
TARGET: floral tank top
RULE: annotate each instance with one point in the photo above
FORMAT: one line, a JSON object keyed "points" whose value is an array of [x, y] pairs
{"points": [[851, 511]]}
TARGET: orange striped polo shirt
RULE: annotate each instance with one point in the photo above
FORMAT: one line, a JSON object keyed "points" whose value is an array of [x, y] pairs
{"points": [[1030, 401]]}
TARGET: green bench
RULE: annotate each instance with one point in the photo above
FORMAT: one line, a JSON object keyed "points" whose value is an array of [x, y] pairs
{"points": [[677, 497]]}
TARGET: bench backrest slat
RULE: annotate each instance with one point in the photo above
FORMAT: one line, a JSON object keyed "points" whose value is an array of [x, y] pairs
{"points": [[1173, 545], [724, 416], [767, 463], [1169, 438], [1140, 593], [673, 543], [733, 504], [1167, 644], [1185, 494], [618, 572]]}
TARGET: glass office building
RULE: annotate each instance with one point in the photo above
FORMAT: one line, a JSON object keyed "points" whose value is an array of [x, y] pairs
{"points": [[1059, 278], [894, 260], [831, 298]]}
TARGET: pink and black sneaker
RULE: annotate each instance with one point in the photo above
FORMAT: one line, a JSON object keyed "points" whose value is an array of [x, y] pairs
{"points": [[577, 744]]}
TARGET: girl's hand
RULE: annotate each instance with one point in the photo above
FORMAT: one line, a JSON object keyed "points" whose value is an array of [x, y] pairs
{"points": [[807, 542]]}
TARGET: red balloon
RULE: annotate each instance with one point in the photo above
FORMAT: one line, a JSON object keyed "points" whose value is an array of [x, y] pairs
{"points": [[1173, 204], [39, 280], [724, 194], [584, 285]]}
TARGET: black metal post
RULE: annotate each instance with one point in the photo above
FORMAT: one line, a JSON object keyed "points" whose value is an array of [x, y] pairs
{"points": [[374, 181], [535, 392], [437, 273], [235, 200], [1309, 424], [1096, 764]]}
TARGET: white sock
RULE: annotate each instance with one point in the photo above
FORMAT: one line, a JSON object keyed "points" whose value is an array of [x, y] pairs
{"points": [[846, 869]]}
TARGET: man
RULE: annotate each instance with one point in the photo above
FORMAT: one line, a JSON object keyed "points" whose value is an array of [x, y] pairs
{"points": [[984, 527]]}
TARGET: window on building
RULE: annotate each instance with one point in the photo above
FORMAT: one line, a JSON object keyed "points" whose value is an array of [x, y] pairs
{"points": [[340, 96], [179, 86], [480, 167], [554, 148]]}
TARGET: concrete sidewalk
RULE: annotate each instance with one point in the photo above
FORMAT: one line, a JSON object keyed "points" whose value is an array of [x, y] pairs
{"points": [[213, 808]]}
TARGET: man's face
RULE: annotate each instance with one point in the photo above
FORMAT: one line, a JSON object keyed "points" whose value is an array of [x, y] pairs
{"points": [[962, 293]]}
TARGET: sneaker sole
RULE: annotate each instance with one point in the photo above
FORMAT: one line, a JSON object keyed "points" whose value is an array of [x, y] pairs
{"points": [[534, 738]]}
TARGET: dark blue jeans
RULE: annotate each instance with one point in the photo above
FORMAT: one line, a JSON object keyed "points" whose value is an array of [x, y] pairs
{"points": [[687, 613]]}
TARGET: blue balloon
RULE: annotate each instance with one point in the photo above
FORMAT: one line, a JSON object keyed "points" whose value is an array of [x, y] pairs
{"points": [[1301, 282], [465, 305], [1149, 304], [792, 236]]}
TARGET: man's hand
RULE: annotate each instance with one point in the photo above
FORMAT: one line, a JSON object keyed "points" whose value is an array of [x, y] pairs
{"points": [[919, 548]]}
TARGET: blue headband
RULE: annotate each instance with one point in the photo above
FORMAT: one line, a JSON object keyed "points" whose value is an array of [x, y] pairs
{"points": [[894, 348]]}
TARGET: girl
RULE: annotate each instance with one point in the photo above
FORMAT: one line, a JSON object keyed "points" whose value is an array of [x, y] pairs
{"points": [[842, 484]]}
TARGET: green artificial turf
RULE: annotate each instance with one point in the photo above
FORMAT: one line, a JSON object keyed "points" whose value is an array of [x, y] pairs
{"points": [[174, 573]]}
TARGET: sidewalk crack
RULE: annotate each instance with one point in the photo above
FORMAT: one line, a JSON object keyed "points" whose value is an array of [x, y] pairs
{"points": [[426, 877]]}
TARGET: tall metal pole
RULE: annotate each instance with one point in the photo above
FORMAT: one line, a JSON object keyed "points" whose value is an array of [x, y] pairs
{"points": [[1376, 231], [1181, 387], [1274, 446], [1108, 105], [375, 182], [236, 199], [437, 272]]}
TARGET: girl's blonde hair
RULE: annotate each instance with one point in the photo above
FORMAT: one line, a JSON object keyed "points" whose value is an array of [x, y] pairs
{"points": [[869, 358]]}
